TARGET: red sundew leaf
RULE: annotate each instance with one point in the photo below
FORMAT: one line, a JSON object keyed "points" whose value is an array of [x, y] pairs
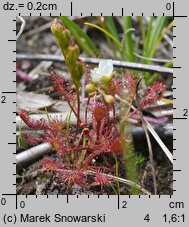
{"points": [[63, 87], [102, 179], [130, 83], [57, 140], [153, 94], [50, 164], [30, 139], [57, 125], [72, 176], [99, 111], [57, 81], [34, 124], [113, 87], [117, 146]]}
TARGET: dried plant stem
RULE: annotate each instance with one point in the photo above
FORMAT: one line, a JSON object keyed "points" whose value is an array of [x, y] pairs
{"points": [[122, 64], [23, 25], [130, 183], [147, 138], [32, 153]]}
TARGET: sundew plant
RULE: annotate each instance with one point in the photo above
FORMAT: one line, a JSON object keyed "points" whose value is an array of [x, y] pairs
{"points": [[88, 152]]}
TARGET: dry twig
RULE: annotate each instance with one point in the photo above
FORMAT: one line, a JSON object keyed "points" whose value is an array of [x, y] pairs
{"points": [[32, 153], [23, 25], [123, 64]]}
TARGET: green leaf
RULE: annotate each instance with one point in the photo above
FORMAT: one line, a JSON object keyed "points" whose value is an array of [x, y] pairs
{"points": [[112, 27], [167, 101], [47, 114], [155, 31], [142, 28], [146, 43], [128, 38], [160, 38], [116, 41]]}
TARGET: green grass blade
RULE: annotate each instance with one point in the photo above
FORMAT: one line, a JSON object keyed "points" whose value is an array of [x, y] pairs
{"points": [[116, 41], [160, 38], [81, 37], [142, 28], [155, 29], [128, 38], [147, 40], [108, 24], [112, 27], [167, 101], [47, 114], [156, 33], [68, 117]]}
